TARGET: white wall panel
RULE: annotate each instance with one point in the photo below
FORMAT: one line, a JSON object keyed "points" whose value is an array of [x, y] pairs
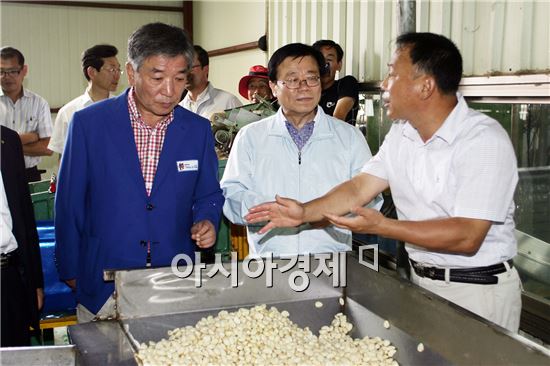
{"points": [[494, 36], [52, 39], [220, 24]]}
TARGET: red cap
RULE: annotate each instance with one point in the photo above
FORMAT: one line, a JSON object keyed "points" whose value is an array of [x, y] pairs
{"points": [[257, 71]]}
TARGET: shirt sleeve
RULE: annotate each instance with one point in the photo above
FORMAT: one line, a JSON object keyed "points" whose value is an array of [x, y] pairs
{"points": [[237, 182], [44, 120], [361, 155], [59, 134], [377, 166], [208, 198], [348, 87], [234, 102], [487, 176]]}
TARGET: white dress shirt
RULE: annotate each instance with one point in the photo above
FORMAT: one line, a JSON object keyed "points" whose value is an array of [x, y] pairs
{"points": [[211, 101], [466, 169], [61, 125], [30, 113]]}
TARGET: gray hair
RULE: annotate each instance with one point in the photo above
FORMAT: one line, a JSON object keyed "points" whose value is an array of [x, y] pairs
{"points": [[158, 39]]}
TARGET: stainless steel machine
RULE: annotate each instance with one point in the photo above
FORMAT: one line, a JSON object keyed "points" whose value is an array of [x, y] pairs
{"points": [[47, 355], [152, 301]]}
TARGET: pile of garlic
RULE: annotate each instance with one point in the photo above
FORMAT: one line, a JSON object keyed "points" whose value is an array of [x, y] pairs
{"points": [[259, 336]]}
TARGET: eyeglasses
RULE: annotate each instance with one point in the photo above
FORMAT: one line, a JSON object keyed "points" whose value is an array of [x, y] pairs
{"points": [[113, 70], [12, 72], [294, 83], [195, 66]]}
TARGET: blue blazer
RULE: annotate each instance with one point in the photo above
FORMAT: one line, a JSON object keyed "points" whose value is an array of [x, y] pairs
{"points": [[103, 216]]}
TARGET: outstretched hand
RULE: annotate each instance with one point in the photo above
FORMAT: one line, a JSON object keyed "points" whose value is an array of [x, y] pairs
{"points": [[367, 220], [283, 212]]}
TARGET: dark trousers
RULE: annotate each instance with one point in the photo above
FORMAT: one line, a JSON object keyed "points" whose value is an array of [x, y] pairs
{"points": [[15, 321], [33, 175]]}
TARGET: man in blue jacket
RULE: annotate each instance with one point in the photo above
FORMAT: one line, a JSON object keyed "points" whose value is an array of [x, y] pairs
{"points": [[138, 179]]}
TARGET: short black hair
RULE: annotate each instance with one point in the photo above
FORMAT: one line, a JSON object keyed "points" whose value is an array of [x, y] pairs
{"points": [[435, 55], [329, 43], [94, 56], [202, 55], [155, 39], [10, 52], [293, 50]]}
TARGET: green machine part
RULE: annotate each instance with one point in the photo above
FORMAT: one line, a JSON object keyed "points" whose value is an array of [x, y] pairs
{"points": [[223, 240], [225, 125], [42, 200]]}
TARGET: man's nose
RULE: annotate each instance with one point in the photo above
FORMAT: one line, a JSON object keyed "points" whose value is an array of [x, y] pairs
{"points": [[384, 84], [168, 87], [303, 85]]}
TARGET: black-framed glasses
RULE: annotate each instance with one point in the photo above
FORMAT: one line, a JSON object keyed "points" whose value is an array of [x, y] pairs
{"points": [[294, 83], [10, 72]]}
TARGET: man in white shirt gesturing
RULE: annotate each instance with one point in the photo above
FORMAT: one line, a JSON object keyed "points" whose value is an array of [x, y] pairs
{"points": [[452, 172]]}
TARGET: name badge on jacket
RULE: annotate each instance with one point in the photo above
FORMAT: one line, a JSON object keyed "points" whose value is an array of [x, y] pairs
{"points": [[188, 165]]}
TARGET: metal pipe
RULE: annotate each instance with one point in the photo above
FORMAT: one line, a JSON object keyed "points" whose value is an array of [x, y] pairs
{"points": [[406, 17], [406, 20]]}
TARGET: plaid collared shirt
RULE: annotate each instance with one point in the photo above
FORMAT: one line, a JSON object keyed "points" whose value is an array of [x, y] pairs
{"points": [[149, 141]]}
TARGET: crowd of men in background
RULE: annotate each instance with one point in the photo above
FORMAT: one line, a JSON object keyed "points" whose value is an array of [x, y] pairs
{"points": [[29, 114]]}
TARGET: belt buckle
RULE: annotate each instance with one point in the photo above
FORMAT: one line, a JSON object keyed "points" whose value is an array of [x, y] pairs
{"points": [[424, 271], [420, 270]]}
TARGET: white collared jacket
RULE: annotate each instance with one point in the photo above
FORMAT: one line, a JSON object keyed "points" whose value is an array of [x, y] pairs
{"points": [[265, 161]]}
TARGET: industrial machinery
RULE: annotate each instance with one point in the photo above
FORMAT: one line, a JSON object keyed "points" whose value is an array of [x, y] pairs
{"points": [[152, 301], [225, 125]]}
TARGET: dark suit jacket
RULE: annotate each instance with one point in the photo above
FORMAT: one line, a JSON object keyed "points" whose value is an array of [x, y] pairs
{"points": [[103, 216], [24, 225]]}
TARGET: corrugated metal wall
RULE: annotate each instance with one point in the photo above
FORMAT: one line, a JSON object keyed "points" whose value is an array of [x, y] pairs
{"points": [[504, 36], [52, 39], [493, 36]]}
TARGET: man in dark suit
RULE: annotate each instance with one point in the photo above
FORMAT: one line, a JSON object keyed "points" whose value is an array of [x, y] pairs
{"points": [[138, 178], [22, 278]]}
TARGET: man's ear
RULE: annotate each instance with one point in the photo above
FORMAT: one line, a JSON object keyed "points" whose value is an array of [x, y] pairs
{"points": [[130, 72], [24, 70], [91, 71], [339, 65], [428, 87], [274, 88]]}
